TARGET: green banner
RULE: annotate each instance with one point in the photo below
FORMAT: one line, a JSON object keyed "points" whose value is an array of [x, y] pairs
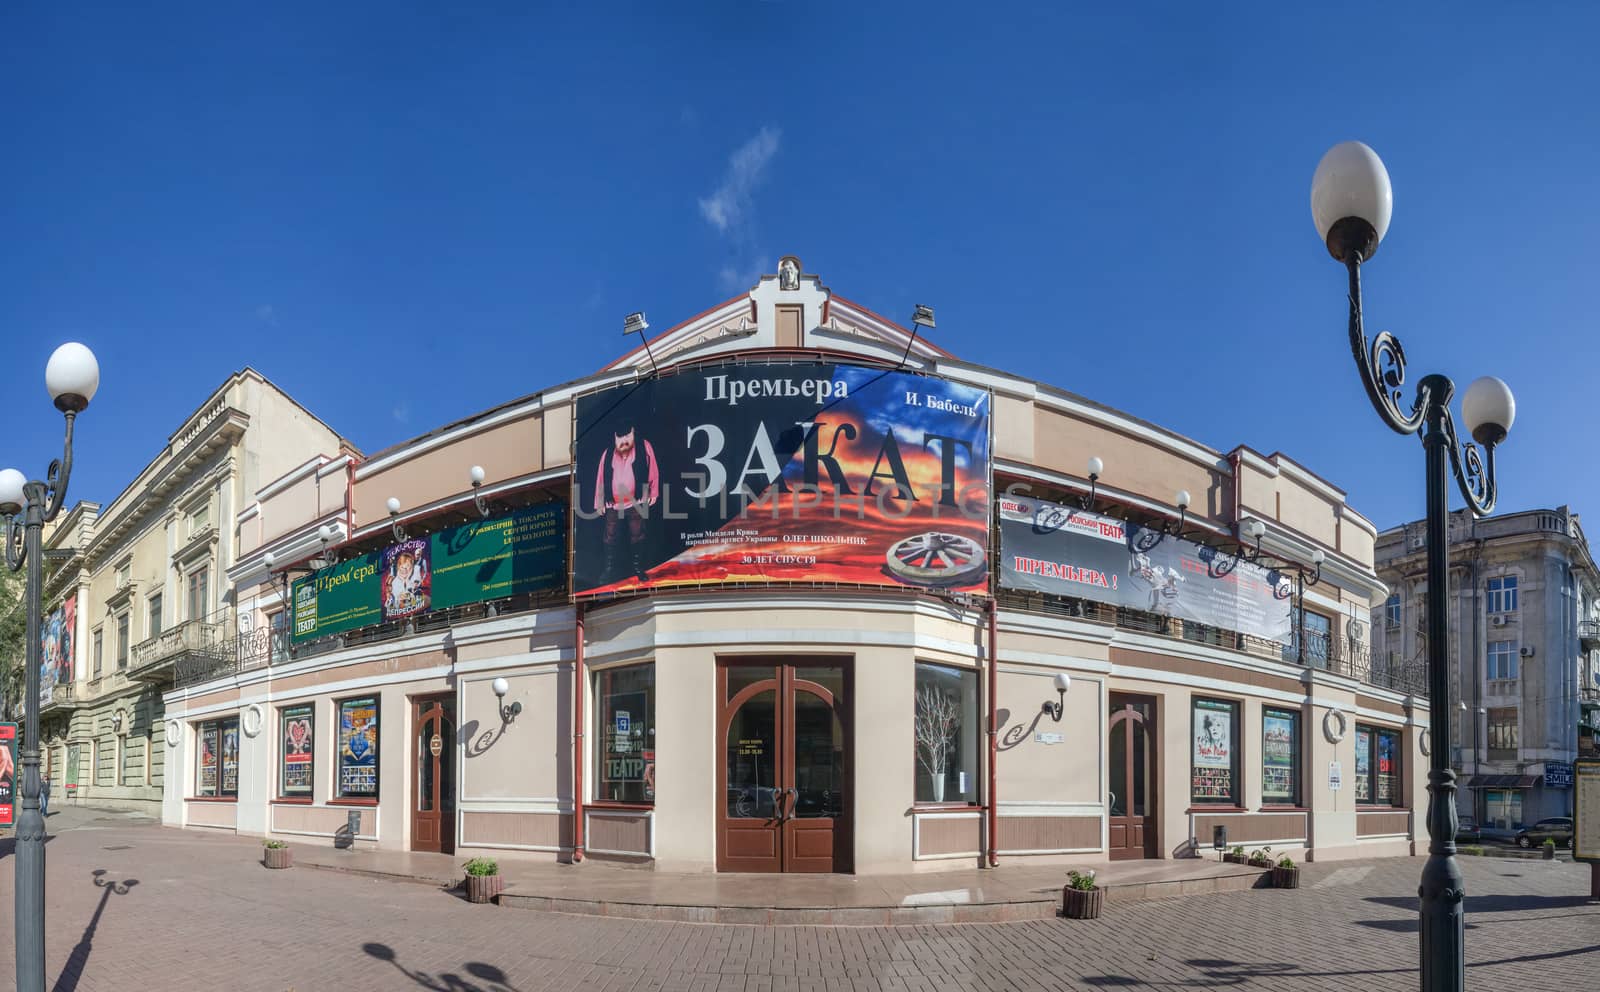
{"points": [[524, 551], [505, 556], [337, 599]]}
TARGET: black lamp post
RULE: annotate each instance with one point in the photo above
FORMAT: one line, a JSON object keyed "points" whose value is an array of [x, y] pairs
{"points": [[72, 376], [1351, 201]]}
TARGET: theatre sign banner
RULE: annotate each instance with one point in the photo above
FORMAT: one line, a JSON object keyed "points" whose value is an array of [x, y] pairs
{"points": [[810, 472], [1048, 547]]}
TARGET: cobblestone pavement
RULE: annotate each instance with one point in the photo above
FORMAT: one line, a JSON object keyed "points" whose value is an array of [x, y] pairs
{"points": [[138, 906]]}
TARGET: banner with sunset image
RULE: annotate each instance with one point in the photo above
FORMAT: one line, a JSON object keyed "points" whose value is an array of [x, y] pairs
{"points": [[804, 472]]}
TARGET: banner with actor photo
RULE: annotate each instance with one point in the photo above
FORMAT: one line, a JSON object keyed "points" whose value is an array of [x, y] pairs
{"points": [[56, 646], [809, 472], [1051, 548], [522, 551]]}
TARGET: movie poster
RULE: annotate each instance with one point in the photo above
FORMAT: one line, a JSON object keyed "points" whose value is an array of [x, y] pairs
{"points": [[56, 646], [1363, 766], [358, 747], [1386, 766], [1277, 758], [297, 744], [407, 584], [8, 774], [207, 783], [1213, 750], [230, 758], [782, 473]]}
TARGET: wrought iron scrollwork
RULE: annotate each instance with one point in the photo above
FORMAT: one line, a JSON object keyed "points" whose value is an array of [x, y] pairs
{"points": [[1382, 364], [1474, 477], [16, 543]]}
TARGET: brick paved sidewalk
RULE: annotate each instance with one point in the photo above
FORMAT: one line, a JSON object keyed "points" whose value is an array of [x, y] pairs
{"points": [[144, 907]]}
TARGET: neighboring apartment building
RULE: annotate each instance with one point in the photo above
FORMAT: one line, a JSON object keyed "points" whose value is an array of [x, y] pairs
{"points": [[1524, 636], [813, 693], [137, 590]]}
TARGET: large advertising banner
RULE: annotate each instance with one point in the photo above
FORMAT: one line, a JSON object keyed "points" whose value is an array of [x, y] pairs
{"points": [[523, 551], [1048, 547], [808, 472], [56, 644], [337, 599], [8, 774]]}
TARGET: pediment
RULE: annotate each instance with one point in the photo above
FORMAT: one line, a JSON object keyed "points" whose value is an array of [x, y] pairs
{"points": [[787, 311]]}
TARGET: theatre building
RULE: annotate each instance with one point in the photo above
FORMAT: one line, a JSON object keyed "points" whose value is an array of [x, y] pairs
{"points": [[797, 590]]}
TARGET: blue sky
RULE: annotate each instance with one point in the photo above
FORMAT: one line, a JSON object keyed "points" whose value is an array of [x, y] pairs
{"points": [[404, 213]]}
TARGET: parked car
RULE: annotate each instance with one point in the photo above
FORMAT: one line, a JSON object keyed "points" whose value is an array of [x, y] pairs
{"points": [[1467, 829], [1558, 828]]}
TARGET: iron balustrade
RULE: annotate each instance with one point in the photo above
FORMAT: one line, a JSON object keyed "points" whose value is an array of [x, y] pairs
{"points": [[1338, 656], [190, 648]]}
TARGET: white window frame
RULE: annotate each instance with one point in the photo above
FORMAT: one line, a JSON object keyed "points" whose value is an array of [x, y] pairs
{"points": [[1508, 652], [1502, 594]]}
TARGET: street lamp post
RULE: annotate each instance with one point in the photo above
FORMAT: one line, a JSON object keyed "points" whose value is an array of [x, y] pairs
{"points": [[1351, 202], [72, 376]]}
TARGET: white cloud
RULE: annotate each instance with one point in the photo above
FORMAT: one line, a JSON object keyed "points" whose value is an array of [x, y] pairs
{"points": [[728, 206], [401, 413], [267, 315]]}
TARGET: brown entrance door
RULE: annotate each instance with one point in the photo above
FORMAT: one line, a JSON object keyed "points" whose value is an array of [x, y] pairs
{"points": [[1130, 748], [433, 784], [783, 767]]}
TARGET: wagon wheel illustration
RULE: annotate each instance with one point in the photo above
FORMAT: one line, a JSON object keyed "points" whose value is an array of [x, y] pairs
{"points": [[935, 558]]}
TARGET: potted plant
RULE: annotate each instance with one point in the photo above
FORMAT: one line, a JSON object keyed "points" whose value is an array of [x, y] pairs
{"points": [[1286, 874], [483, 879], [1081, 899], [278, 855], [1235, 856], [1261, 858], [1549, 847], [937, 717]]}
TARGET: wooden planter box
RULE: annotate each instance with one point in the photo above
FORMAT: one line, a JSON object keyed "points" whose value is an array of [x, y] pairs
{"points": [[483, 888], [279, 857], [1082, 904], [1233, 859], [1285, 878]]}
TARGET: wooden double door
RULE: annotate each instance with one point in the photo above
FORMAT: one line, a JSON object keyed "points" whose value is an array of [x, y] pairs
{"points": [[783, 766], [433, 777], [1131, 761]]}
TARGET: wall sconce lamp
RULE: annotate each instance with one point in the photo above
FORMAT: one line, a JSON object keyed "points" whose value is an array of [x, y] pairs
{"points": [[507, 713], [1253, 529], [1219, 838], [394, 520], [329, 555], [1146, 538], [1096, 466], [634, 323], [477, 476], [1055, 709]]}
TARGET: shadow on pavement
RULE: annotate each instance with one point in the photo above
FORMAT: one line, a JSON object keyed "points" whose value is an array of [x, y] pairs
{"points": [[1492, 904], [80, 953], [445, 981]]}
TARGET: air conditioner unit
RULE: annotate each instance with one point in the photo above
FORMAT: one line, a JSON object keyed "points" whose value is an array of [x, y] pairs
{"points": [[1527, 652], [1497, 621]]}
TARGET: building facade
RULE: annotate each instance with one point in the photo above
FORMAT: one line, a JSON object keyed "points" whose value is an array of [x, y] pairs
{"points": [[1524, 637], [137, 591], [796, 590]]}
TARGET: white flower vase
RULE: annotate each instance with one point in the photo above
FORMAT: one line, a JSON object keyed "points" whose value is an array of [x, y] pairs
{"points": [[937, 782]]}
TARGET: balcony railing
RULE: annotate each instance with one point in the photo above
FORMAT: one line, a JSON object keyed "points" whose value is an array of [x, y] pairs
{"points": [[1352, 659], [1589, 634], [194, 646], [1588, 697], [61, 698]]}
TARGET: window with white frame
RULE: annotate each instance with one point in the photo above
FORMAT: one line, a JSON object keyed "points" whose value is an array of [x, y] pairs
{"points": [[1391, 610], [199, 518], [122, 642], [1502, 660], [154, 626], [1503, 594]]}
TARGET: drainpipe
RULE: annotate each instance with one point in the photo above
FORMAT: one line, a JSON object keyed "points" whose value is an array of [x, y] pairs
{"points": [[994, 735], [577, 735]]}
